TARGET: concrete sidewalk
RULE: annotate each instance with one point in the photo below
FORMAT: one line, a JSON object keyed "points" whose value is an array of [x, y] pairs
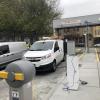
{"points": [[89, 72]]}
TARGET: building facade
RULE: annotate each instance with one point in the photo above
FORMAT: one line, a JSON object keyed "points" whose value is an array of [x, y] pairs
{"points": [[75, 28]]}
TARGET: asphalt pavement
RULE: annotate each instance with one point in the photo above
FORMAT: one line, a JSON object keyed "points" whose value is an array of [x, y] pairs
{"points": [[43, 84], [49, 86]]}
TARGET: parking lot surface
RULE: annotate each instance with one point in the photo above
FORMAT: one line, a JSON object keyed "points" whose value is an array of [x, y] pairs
{"points": [[43, 84], [90, 73]]}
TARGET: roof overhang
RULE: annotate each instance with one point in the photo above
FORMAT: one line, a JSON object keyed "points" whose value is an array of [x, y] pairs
{"points": [[81, 21]]}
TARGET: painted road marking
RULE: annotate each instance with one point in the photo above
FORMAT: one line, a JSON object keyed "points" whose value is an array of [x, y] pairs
{"points": [[97, 55], [81, 56]]}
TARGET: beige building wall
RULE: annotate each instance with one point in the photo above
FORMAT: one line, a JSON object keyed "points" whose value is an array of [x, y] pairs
{"points": [[77, 33], [96, 31]]}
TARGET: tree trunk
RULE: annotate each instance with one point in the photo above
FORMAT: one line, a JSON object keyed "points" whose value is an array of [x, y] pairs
{"points": [[22, 36]]}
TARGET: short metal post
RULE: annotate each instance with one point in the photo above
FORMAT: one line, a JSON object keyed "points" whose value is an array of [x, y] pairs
{"points": [[21, 93], [86, 43]]}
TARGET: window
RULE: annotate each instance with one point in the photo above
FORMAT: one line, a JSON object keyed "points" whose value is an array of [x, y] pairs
{"points": [[56, 47], [4, 49], [42, 46]]}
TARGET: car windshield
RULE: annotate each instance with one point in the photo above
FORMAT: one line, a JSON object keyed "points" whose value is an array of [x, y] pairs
{"points": [[42, 46]]}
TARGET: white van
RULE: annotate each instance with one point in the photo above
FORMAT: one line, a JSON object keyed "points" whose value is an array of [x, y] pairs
{"points": [[10, 51], [45, 54]]}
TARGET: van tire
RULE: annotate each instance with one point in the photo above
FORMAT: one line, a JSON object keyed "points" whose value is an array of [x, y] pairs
{"points": [[53, 66]]}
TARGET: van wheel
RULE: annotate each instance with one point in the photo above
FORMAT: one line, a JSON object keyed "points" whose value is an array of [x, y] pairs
{"points": [[53, 66]]}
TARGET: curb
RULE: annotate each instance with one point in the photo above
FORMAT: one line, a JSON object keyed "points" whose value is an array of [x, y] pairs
{"points": [[81, 56], [97, 56]]}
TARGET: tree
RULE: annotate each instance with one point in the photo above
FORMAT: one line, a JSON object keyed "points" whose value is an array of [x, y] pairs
{"points": [[39, 15], [28, 16]]}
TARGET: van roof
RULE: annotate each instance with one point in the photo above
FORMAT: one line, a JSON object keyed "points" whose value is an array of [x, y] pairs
{"points": [[47, 40], [6, 43]]}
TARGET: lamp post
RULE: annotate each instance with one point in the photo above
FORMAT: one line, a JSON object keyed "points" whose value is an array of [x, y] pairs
{"points": [[86, 43], [86, 37]]}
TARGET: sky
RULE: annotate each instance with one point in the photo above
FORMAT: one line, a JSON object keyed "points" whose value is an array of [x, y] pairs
{"points": [[74, 8]]}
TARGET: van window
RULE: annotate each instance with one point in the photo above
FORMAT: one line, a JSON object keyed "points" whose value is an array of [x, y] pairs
{"points": [[42, 46], [56, 47], [4, 49]]}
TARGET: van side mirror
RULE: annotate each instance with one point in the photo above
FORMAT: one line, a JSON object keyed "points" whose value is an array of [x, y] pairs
{"points": [[56, 48]]}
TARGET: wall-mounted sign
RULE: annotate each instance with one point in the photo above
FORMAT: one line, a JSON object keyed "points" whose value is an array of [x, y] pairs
{"points": [[99, 19], [69, 21]]}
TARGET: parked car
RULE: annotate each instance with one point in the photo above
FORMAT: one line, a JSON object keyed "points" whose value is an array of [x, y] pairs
{"points": [[80, 44], [97, 45], [11, 51], [45, 54]]}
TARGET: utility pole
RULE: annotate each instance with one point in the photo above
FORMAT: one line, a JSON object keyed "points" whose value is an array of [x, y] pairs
{"points": [[86, 43], [86, 38]]}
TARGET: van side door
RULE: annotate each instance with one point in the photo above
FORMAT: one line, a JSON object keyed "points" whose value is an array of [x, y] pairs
{"points": [[56, 52]]}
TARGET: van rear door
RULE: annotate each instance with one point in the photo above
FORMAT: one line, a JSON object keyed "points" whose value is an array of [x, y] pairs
{"points": [[17, 49]]}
